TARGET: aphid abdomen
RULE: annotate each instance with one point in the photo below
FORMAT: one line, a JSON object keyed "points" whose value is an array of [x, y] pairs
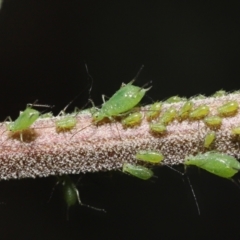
{"points": [[228, 109], [66, 123], [132, 120]]}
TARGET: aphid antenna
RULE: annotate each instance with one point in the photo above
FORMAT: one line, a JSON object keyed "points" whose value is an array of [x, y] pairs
{"points": [[190, 185], [137, 75], [89, 77]]}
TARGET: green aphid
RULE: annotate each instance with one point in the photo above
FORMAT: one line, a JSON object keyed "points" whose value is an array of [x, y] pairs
{"points": [[70, 192], [24, 121], [209, 139], [199, 97], [185, 110], [149, 156], [46, 115], [124, 100], [65, 123], [217, 163], [228, 109], [168, 116], [235, 131], [175, 99], [132, 119], [137, 171], [213, 121], [154, 111], [199, 112], [158, 128], [220, 93]]}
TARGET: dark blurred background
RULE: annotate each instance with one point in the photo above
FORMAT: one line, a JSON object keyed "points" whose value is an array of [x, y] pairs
{"points": [[187, 47]]}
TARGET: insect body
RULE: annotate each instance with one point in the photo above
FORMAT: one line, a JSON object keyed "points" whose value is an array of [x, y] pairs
{"points": [[149, 156], [66, 123], [213, 121], [168, 116], [199, 113], [175, 99], [126, 98], [132, 119], [24, 121], [154, 111], [137, 171], [158, 128], [235, 131], [209, 139], [185, 110], [217, 163], [228, 109]]}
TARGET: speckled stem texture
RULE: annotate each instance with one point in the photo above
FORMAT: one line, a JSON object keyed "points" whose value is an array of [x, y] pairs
{"points": [[93, 148]]}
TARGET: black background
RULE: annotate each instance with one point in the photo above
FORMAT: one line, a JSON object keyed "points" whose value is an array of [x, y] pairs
{"points": [[187, 48]]}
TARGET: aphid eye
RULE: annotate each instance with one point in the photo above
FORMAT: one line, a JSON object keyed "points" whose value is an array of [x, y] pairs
{"points": [[137, 171], [209, 139], [149, 156], [199, 112], [154, 111], [132, 119], [213, 121], [228, 109], [157, 128]]}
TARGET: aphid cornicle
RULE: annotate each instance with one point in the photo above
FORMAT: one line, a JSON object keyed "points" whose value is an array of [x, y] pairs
{"points": [[149, 156], [124, 100], [66, 123], [137, 171], [217, 163]]}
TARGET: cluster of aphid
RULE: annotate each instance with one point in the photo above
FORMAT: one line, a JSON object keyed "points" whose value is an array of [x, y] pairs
{"points": [[122, 107]]}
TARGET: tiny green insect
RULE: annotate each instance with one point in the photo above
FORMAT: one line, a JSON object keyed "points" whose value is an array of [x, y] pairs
{"points": [[71, 193], [235, 131], [213, 121], [46, 115], [168, 116], [217, 163], [185, 110], [132, 119], [209, 139], [66, 123], [228, 109], [137, 171], [157, 128], [199, 112], [154, 111], [175, 99], [124, 100], [219, 93], [24, 121], [149, 156]]}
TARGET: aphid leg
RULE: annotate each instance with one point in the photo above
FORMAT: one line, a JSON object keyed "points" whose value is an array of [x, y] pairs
{"points": [[190, 184]]}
